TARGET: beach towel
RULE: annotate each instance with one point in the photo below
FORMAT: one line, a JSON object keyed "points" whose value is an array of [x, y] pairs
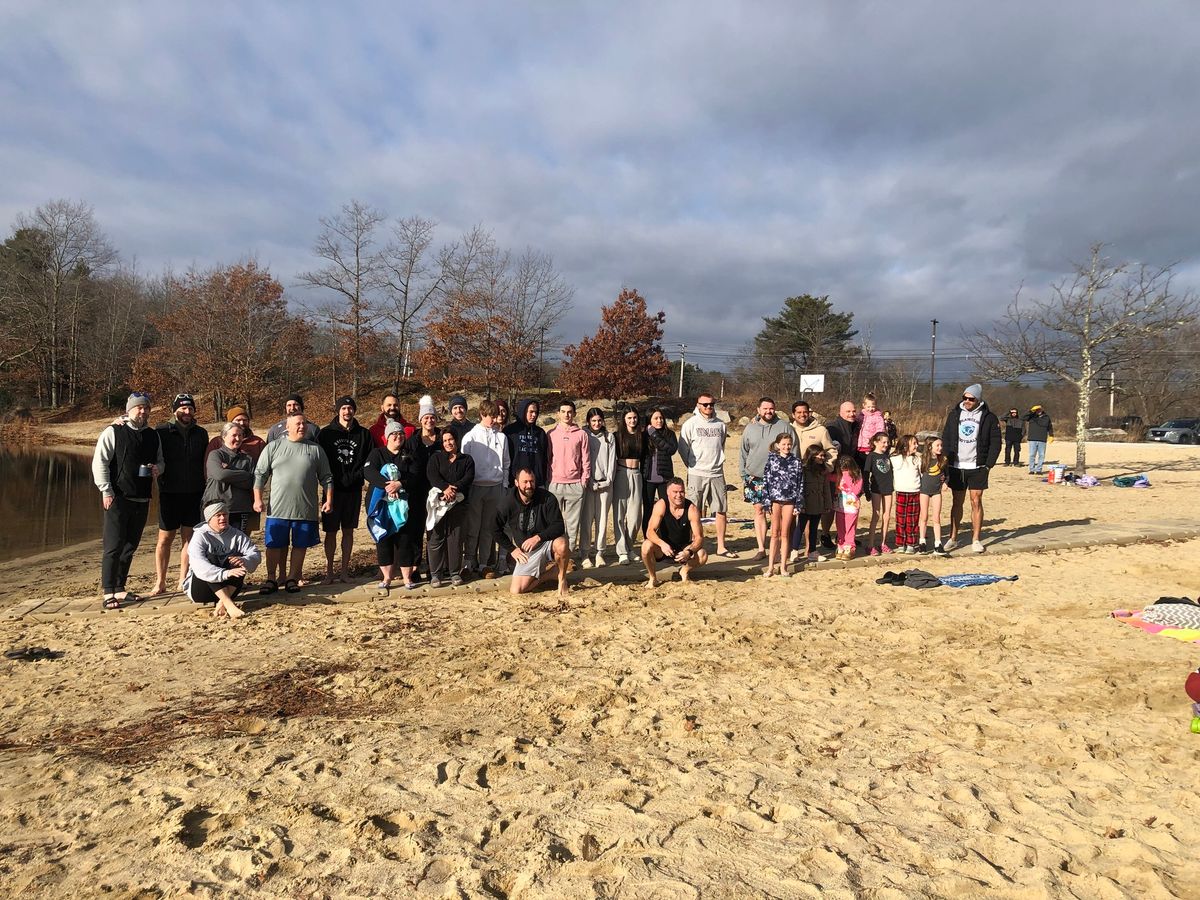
{"points": [[1180, 632], [962, 581], [1087, 481], [386, 515], [1135, 481], [436, 507]]}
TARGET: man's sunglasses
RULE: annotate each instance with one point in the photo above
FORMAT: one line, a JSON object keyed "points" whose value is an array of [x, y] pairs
{"points": [[969, 397], [704, 404]]}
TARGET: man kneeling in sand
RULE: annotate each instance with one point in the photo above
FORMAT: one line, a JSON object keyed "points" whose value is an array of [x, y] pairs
{"points": [[674, 533], [219, 558], [530, 530]]}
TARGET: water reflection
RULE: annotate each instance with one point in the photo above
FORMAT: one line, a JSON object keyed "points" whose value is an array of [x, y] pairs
{"points": [[47, 501]]}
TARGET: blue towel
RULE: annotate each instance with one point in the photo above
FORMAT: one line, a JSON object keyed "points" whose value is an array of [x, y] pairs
{"points": [[962, 581]]}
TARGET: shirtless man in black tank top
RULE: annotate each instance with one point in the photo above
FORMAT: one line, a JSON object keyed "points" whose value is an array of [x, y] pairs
{"points": [[674, 533]]}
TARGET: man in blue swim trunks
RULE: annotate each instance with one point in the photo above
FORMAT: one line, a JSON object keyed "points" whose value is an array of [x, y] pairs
{"points": [[295, 467]]}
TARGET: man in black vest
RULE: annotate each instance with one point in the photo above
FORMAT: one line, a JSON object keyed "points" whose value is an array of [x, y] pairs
{"points": [[180, 487], [128, 458], [674, 534]]}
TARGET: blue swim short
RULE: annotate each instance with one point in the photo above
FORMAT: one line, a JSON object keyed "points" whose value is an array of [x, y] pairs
{"points": [[280, 534]]}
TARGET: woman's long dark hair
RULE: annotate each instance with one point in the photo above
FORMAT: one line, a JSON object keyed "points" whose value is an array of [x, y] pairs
{"points": [[587, 420], [629, 444]]}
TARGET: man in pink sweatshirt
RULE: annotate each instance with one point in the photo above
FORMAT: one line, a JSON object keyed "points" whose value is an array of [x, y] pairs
{"points": [[570, 469]]}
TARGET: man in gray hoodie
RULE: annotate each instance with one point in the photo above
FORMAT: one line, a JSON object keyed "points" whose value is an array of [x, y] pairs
{"points": [[702, 449], [756, 447]]}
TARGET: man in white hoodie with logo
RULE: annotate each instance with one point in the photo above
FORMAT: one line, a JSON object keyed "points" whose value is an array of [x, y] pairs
{"points": [[486, 445], [702, 449]]}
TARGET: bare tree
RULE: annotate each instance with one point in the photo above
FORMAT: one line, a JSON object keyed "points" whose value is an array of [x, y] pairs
{"points": [[1093, 320], [354, 272], [1161, 376], [51, 287], [413, 274]]}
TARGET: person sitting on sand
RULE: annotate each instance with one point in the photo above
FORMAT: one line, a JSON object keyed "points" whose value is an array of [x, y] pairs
{"points": [[530, 530], [674, 533], [220, 557]]}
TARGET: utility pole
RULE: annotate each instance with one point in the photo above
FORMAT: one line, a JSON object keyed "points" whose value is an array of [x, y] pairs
{"points": [[932, 360], [682, 357]]}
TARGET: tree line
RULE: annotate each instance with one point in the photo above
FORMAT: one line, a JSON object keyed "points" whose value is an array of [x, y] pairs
{"points": [[385, 302]]}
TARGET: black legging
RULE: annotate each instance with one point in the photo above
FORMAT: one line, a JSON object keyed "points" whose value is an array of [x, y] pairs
{"points": [[651, 494], [206, 591], [1012, 452], [123, 525], [403, 547]]}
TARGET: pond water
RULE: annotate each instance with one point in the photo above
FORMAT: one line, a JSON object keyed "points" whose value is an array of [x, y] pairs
{"points": [[47, 501]]}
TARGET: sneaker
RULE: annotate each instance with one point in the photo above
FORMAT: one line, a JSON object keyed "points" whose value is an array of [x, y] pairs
{"points": [[457, 581], [977, 547], [587, 563], [950, 545], [599, 560], [489, 572], [815, 558], [849, 552], [884, 548], [939, 550], [622, 560], [921, 548], [873, 552], [827, 541], [435, 582], [909, 549]]}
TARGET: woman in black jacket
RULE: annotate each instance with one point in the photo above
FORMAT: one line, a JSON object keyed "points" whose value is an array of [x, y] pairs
{"points": [[451, 473], [390, 469], [657, 469]]}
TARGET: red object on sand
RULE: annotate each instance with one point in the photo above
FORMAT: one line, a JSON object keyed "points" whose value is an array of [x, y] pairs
{"points": [[1192, 686]]}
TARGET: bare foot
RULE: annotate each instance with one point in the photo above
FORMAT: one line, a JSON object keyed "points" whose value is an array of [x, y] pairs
{"points": [[160, 587], [234, 611], [651, 584], [684, 576], [563, 589]]}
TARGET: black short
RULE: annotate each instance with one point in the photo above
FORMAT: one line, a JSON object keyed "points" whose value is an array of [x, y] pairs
{"points": [[206, 592], [967, 479], [246, 523], [344, 514], [177, 511]]}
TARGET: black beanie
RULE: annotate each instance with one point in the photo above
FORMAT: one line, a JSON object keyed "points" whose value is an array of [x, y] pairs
{"points": [[345, 401], [296, 397]]}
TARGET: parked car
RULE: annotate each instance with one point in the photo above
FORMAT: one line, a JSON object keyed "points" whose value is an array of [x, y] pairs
{"points": [[1176, 431]]}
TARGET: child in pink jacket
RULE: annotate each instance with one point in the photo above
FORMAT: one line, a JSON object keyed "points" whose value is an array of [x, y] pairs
{"points": [[845, 507], [870, 423]]}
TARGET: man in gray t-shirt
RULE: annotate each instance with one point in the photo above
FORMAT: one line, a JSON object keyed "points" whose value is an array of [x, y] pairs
{"points": [[295, 467]]}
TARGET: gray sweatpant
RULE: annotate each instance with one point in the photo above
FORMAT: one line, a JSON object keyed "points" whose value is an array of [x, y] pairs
{"points": [[480, 528], [570, 501]]}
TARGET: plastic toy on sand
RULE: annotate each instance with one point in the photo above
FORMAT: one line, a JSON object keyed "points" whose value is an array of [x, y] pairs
{"points": [[1192, 686]]}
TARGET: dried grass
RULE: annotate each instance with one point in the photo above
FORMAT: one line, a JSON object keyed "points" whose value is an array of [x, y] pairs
{"points": [[299, 692]]}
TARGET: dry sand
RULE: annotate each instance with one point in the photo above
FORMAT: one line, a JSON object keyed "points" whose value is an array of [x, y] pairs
{"points": [[731, 738]]}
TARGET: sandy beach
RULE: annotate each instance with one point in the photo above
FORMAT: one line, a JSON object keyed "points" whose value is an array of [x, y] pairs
{"points": [[731, 738]]}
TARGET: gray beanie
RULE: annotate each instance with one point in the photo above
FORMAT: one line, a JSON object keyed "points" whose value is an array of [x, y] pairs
{"points": [[426, 407], [393, 427], [975, 390], [137, 398], [217, 506]]}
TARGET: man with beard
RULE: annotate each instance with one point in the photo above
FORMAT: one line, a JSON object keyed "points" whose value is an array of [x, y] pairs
{"points": [[531, 533], [760, 433], [128, 458], [389, 411], [971, 442], [346, 443], [527, 443], [294, 405], [180, 487]]}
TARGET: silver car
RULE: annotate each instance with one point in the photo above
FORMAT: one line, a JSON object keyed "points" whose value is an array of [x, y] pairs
{"points": [[1176, 431]]}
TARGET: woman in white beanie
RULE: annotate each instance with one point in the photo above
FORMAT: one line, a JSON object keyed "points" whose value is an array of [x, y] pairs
{"points": [[220, 557]]}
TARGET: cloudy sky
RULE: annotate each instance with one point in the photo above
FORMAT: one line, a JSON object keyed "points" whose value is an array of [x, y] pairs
{"points": [[910, 160]]}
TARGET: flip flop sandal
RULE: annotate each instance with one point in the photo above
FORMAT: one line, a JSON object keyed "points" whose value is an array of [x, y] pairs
{"points": [[112, 603], [411, 586], [269, 586], [291, 586], [730, 554]]}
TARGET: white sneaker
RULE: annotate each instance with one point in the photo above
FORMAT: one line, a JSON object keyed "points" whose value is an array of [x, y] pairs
{"points": [[587, 563], [950, 545], [622, 560], [599, 560], [977, 547]]}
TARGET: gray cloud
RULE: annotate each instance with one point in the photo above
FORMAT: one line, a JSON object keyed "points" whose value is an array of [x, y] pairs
{"points": [[909, 160]]}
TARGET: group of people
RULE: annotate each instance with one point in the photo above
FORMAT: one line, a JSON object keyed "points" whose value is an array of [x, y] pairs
{"points": [[494, 497]]}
